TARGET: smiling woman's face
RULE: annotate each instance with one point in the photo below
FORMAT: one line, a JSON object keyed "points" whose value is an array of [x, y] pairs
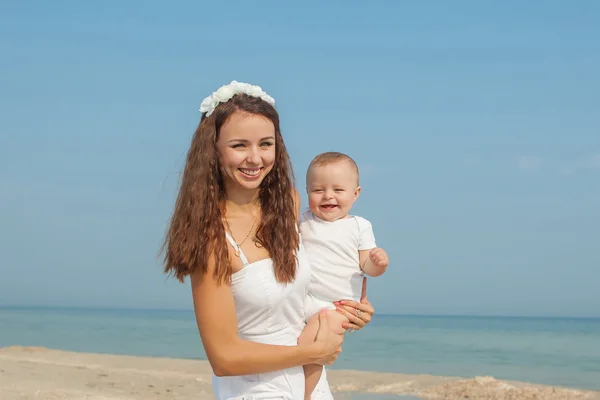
{"points": [[246, 148]]}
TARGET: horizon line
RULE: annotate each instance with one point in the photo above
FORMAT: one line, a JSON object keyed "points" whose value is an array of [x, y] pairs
{"points": [[458, 315]]}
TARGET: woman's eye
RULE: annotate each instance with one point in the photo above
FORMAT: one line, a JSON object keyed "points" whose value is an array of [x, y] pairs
{"points": [[267, 144], [237, 146]]}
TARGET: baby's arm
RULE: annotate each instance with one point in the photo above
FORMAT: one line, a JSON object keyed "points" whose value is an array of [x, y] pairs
{"points": [[373, 262], [373, 259]]}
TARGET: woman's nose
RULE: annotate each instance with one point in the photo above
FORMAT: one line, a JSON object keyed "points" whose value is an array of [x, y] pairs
{"points": [[253, 156]]}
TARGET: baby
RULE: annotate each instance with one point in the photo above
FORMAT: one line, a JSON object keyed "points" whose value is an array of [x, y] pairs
{"points": [[341, 247]]}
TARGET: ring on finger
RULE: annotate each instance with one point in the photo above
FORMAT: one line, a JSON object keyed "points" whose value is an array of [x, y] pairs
{"points": [[357, 312]]}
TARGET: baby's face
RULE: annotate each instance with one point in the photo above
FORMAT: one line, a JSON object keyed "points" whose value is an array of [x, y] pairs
{"points": [[332, 190]]}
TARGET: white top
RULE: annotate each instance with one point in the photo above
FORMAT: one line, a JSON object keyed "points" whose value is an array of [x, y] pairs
{"points": [[332, 248], [271, 313]]}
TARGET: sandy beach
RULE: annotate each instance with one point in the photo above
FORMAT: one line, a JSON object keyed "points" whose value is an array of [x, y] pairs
{"points": [[40, 373]]}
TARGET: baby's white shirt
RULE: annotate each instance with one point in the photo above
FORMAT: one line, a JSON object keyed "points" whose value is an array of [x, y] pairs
{"points": [[333, 252]]}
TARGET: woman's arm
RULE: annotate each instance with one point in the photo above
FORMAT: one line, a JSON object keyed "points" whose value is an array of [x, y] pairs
{"points": [[229, 355]]}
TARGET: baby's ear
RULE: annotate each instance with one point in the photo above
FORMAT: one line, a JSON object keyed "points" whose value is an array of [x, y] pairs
{"points": [[357, 192]]}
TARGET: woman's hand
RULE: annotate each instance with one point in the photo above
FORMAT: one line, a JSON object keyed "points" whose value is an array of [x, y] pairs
{"points": [[359, 314], [327, 344]]}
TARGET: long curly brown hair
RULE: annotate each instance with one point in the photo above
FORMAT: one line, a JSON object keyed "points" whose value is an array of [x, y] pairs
{"points": [[196, 231]]}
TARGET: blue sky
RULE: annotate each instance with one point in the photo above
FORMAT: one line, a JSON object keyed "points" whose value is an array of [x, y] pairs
{"points": [[475, 124]]}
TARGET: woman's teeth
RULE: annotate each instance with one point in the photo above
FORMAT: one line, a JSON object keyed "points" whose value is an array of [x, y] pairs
{"points": [[252, 172]]}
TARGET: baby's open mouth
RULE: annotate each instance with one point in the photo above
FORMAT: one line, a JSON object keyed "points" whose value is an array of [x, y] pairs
{"points": [[329, 206]]}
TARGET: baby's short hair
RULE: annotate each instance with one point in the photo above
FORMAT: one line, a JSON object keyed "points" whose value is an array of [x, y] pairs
{"points": [[331, 157]]}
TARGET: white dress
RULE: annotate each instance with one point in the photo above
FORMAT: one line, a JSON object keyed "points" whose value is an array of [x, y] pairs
{"points": [[271, 313]]}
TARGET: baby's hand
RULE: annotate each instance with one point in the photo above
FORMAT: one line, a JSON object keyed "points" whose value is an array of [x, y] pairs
{"points": [[379, 257]]}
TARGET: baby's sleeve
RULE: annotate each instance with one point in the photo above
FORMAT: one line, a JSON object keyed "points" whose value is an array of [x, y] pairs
{"points": [[366, 238]]}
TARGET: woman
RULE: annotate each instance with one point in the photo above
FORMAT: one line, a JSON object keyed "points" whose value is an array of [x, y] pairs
{"points": [[234, 232]]}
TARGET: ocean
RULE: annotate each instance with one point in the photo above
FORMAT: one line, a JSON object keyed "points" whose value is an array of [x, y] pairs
{"points": [[555, 351]]}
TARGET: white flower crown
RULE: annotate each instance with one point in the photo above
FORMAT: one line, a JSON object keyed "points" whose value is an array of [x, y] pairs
{"points": [[226, 92]]}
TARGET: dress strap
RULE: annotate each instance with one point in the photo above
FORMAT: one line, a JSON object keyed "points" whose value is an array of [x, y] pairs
{"points": [[237, 249]]}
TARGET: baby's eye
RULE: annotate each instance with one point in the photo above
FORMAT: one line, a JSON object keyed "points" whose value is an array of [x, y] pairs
{"points": [[339, 190], [318, 191]]}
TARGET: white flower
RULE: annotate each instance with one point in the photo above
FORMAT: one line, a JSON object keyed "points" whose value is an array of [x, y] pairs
{"points": [[254, 91], [268, 98], [207, 105], [226, 92]]}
